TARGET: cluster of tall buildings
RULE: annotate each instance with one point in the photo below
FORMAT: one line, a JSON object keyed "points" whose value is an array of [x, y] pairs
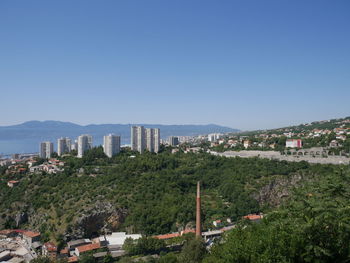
{"points": [[111, 146], [141, 139], [145, 138]]}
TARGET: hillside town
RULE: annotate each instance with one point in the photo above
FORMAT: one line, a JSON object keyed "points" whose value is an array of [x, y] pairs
{"points": [[321, 139], [315, 145], [334, 137], [18, 245]]}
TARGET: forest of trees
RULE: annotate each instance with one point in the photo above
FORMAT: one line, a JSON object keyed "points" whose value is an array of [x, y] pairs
{"points": [[312, 227], [158, 193]]}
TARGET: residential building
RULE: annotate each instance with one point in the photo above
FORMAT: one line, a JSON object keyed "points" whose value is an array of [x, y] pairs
{"points": [[76, 243], [46, 149], [74, 146], [63, 146], [118, 238], [31, 237], [254, 217], [86, 248], [156, 140], [111, 145], [173, 141], [133, 138], [294, 143], [173, 235], [12, 183], [334, 144], [341, 137], [153, 139], [150, 139], [247, 144], [49, 250], [84, 144], [138, 138], [217, 223], [64, 253]]}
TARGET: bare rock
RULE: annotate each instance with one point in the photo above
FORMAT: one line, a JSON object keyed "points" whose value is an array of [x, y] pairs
{"points": [[102, 218]]}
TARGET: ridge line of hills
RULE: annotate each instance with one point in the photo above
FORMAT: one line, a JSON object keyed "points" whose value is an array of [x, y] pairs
{"points": [[25, 137]]}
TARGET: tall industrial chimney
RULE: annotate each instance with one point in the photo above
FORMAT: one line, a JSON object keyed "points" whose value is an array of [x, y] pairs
{"points": [[198, 212]]}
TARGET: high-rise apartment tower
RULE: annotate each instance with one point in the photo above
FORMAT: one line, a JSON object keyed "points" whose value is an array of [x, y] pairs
{"points": [[138, 138], [84, 144], [111, 145], [46, 149], [63, 146]]}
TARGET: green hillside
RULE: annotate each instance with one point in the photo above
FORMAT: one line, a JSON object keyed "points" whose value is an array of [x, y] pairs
{"points": [[154, 194]]}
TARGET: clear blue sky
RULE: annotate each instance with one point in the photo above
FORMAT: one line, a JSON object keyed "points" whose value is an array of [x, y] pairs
{"points": [[244, 64]]}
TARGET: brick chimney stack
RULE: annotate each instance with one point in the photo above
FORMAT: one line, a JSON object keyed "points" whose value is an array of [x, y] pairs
{"points": [[198, 212]]}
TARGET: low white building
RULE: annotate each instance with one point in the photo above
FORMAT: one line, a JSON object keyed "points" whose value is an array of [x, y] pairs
{"points": [[118, 238], [5, 162]]}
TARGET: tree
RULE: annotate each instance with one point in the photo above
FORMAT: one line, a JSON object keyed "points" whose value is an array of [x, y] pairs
{"points": [[193, 251], [143, 246], [87, 258], [41, 260], [108, 258], [168, 258], [312, 227]]}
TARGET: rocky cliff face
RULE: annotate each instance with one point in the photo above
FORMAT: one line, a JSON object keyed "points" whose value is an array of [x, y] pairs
{"points": [[21, 218], [277, 190], [102, 218]]}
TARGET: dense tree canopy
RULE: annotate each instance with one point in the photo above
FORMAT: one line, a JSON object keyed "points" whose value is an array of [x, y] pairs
{"points": [[312, 227], [158, 193]]}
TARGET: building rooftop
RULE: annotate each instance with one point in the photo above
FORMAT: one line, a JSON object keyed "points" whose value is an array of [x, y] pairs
{"points": [[167, 236], [50, 246], [31, 234], [88, 247], [118, 238], [99, 254], [13, 182], [78, 242], [253, 217], [64, 251]]}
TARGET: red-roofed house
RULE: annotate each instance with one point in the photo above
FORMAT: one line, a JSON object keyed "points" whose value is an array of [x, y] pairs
{"points": [[167, 236], [253, 217], [31, 237], [7, 233], [64, 252], [217, 223], [172, 235], [49, 249], [186, 231], [86, 248], [22, 170], [12, 183]]}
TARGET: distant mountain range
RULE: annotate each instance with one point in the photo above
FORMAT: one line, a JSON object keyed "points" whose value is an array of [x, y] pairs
{"points": [[25, 137]]}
